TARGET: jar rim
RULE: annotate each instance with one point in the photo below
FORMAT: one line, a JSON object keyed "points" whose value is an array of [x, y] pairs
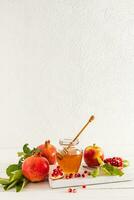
{"points": [[66, 141]]}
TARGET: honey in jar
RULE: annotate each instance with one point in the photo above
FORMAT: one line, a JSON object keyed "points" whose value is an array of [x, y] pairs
{"points": [[71, 161]]}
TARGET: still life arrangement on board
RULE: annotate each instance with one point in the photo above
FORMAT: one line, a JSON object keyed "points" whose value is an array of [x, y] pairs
{"points": [[64, 167]]}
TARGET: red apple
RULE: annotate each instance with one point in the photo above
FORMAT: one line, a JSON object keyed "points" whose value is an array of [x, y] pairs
{"points": [[48, 151], [92, 154], [35, 168]]}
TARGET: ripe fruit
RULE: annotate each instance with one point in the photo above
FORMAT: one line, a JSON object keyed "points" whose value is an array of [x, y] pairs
{"points": [[115, 161], [57, 173], [48, 151], [93, 155], [35, 168]]}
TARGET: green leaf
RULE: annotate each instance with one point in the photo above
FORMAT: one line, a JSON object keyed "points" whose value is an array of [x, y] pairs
{"points": [[16, 175], [4, 181], [36, 151], [21, 154], [125, 163], [5, 187], [26, 149], [11, 169], [19, 186], [95, 172], [105, 171], [20, 162], [115, 171], [11, 185], [25, 182]]}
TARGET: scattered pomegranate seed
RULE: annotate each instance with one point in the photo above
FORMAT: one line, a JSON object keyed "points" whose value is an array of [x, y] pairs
{"points": [[85, 172], [67, 177], [74, 190], [83, 176], [71, 175], [78, 175], [70, 190], [84, 186]]}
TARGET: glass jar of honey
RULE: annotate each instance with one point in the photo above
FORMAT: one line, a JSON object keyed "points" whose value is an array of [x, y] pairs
{"points": [[71, 161]]}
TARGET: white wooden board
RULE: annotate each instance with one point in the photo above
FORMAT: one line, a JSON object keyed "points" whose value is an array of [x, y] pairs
{"points": [[60, 183]]}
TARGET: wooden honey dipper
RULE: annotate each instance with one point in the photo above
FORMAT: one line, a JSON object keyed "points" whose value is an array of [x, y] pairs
{"points": [[65, 149]]}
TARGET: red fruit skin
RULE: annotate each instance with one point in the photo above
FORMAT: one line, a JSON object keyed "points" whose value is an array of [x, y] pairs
{"points": [[35, 168], [48, 151], [91, 153]]}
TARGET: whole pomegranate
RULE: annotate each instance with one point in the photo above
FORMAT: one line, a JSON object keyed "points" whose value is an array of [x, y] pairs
{"points": [[92, 154], [48, 151], [35, 168]]}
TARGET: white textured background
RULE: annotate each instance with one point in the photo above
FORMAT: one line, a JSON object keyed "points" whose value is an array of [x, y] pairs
{"points": [[60, 61]]}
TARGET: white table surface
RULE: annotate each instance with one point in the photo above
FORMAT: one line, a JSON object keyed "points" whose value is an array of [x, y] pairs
{"points": [[43, 191]]}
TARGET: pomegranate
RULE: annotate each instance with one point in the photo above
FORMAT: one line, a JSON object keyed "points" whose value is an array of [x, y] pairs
{"points": [[35, 168], [115, 161], [48, 151], [57, 173], [92, 155]]}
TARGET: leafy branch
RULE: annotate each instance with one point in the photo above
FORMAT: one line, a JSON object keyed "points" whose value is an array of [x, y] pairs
{"points": [[14, 171], [108, 169]]}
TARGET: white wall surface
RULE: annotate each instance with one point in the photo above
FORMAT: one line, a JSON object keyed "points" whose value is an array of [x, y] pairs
{"points": [[62, 60]]}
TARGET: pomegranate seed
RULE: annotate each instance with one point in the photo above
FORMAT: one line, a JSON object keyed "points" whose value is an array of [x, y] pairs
{"points": [[84, 186], [67, 177], [74, 190], [115, 161], [83, 175], [60, 173], [70, 190], [70, 175], [56, 173], [78, 175], [85, 172]]}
